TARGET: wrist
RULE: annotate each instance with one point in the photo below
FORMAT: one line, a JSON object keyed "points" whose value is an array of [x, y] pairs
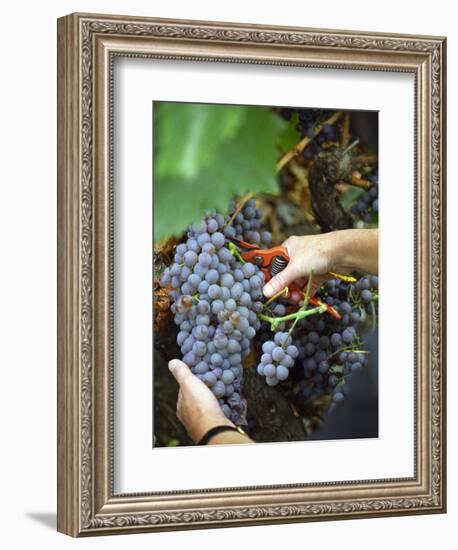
{"points": [[198, 431], [339, 250], [342, 243], [230, 438], [331, 250], [356, 249], [214, 434]]}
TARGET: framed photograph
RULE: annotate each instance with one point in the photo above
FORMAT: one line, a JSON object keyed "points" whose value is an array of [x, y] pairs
{"points": [[251, 289]]}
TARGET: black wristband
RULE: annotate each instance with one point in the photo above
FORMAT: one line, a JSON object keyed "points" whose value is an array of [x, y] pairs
{"points": [[219, 429]]}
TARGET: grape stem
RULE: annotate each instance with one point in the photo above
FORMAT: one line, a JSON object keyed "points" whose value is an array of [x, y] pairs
{"points": [[374, 316], [275, 296], [233, 250], [347, 349], [301, 314], [239, 207], [306, 301]]}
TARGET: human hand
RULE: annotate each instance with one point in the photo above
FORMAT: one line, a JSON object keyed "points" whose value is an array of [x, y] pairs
{"points": [[339, 251], [197, 407], [305, 253]]}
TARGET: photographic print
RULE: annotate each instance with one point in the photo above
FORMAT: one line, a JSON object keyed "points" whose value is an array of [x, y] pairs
{"points": [[218, 274], [265, 271]]}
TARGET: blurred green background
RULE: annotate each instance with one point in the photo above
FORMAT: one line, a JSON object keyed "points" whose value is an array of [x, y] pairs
{"points": [[204, 154]]}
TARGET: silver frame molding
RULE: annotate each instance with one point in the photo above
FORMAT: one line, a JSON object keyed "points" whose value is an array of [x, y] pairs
{"points": [[87, 45]]}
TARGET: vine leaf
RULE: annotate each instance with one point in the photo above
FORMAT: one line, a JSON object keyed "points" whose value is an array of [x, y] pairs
{"points": [[243, 162], [188, 135]]}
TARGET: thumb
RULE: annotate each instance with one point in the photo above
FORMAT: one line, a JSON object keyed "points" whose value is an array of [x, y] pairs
{"points": [[280, 281], [180, 371]]}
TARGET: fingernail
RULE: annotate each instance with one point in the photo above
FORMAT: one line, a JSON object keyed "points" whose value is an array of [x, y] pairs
{"points": [[267, 290], [172, 364]]}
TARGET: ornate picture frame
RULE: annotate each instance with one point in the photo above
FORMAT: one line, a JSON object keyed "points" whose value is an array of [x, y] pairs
{"points": [[87, 45]]}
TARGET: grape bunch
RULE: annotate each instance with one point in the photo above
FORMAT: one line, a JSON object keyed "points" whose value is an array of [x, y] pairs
{"points": [[246, 225], [308, 122], [331, 350], [367, 203], [324, 351], [216, 298], [277, 358]]}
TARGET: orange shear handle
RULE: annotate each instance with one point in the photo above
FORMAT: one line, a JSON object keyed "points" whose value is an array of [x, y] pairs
{"points": [[266, 259]]}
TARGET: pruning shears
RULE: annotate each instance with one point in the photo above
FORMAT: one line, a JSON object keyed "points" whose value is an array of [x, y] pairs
{"points": [[273, 260]]}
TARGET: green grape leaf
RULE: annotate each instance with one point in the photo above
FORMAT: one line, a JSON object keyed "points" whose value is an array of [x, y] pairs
{"points": [[290, 136], [188, 135], [244, 163]]}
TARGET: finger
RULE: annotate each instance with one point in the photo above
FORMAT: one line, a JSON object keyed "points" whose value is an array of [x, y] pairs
{"points": [[180, 371], [179, 405], [280, 281]]}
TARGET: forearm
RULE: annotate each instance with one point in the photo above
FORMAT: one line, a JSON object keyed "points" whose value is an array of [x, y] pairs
{"points": [[356, 249]]}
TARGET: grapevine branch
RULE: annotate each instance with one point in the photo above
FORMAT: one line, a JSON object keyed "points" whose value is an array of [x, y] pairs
{"points": [[345, 138], [299, 147], [359, 182], [366, 159]]}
